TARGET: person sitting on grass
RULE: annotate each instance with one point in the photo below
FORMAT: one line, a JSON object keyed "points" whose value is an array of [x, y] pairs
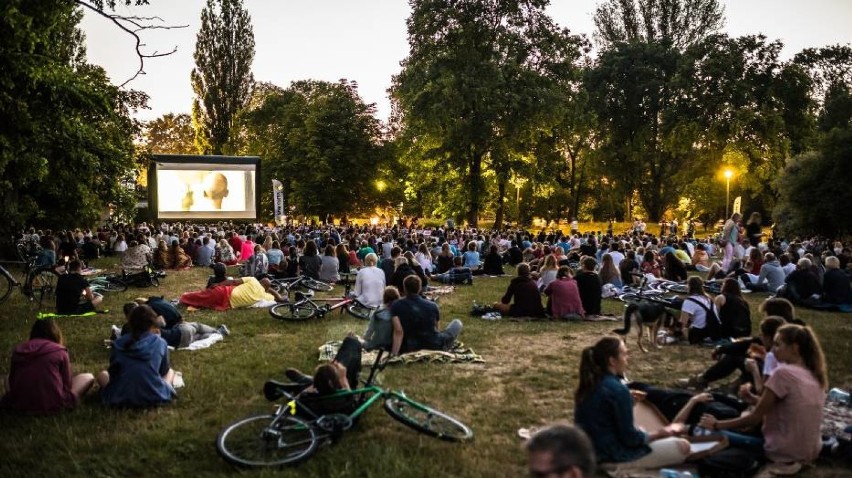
{"points": [[40, 379], [493, 262], [564, 297], [589, 284], [379, 334], [415, 322], [699, 314], [790, 408], [140, 374], [835, 283], [137, 256], [604, 410], [458, 274], [770, 278], [525, 292], [370, 282], [223, 293], [74, 295]]}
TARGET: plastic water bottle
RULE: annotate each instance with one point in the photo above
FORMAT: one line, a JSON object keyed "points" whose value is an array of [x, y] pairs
{"points": [[669, 473], [838, 395]]}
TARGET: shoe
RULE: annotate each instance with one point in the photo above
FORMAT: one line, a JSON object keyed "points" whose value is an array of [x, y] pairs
{"points": [[178, 381], [296, 376], [223, 329], [115, 332]]}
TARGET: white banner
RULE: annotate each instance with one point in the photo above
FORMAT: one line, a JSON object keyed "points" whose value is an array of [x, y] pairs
{"points": [[277, 201], [737, 204]]}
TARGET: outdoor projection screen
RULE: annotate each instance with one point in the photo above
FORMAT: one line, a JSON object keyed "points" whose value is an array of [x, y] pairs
{"points": [[203, 187]]}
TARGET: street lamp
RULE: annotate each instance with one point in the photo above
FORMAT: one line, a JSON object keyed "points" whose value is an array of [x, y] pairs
{"points": [[728, 174]]}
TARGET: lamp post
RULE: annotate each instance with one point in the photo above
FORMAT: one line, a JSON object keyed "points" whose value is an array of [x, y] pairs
{"points": [[728, 175]]}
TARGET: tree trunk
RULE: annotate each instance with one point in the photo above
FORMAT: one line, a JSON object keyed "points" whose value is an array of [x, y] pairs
{"points": [[501, 205], [474, 182]]}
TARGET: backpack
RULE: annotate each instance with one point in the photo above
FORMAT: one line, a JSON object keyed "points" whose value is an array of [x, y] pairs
{"points": [[714, 324], [731, 462]]}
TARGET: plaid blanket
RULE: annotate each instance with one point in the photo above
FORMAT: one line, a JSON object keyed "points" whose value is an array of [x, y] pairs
{"points": [[458, 354]]}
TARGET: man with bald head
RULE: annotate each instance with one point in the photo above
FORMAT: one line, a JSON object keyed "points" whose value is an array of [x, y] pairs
{"points": [[216, 188]]}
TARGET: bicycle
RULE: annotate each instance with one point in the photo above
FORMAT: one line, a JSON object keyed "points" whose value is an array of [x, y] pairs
{"points": [[107, 283], [39, 282], [301, 282], [304, 308], [285, 438]]}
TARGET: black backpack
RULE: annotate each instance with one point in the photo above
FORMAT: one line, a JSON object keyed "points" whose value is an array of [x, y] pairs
{"points": [[714, 324], [730, 463]]}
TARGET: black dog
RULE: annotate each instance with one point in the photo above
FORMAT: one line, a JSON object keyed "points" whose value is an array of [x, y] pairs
{"points": [[653, 314]]}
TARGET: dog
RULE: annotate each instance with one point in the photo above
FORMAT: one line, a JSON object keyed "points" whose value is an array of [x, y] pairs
{"points": [[647, 313]]}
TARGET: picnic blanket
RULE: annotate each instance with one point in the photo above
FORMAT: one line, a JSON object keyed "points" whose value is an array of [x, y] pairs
{"points": [[459, 354], [203, 343], [51, 315], [434, 292]]}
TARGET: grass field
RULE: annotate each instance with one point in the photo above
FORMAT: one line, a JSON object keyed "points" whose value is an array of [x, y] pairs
{"points": [[527, 380]]}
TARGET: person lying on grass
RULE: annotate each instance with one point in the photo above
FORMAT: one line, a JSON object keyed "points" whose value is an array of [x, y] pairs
{"points": [[173, 329], [223, 293], [311, 392]]}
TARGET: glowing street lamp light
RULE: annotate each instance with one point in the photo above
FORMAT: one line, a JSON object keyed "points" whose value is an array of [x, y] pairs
{"points": [[728, 175]]}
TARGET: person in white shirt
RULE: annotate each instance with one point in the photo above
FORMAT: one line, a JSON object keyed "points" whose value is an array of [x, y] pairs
{"points": [[370, 282]]}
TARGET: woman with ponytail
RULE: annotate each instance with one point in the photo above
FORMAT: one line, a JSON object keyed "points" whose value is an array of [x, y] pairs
{"points": [[791, 405], [604, 409], [139, 372]]}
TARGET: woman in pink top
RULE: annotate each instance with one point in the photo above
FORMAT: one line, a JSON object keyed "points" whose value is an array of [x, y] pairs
{"points": [[564, 296], [247, 249], [792, 401]]}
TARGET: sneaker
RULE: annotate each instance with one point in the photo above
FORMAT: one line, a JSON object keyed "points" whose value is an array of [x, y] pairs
{"points": [[223, 329], [115, 332], [178, 381]]}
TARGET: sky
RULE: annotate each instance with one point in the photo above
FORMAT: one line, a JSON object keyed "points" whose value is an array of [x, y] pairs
{"points": [[364, 40]]}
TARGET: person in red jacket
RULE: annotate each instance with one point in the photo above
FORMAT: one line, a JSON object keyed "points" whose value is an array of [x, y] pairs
{"points": [[40, 381], [564, 297]]}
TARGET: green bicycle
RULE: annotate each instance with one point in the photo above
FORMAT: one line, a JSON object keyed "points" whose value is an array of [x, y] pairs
{"points": [[288, 438]]}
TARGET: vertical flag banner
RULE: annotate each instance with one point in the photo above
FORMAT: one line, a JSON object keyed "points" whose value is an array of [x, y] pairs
{"points": [[737, 203], [278, 201]]}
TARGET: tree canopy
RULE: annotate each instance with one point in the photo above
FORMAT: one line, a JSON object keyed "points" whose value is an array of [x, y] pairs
{"points": [[67, 134]]}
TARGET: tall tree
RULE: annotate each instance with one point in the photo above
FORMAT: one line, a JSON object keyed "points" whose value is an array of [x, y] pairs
{"points": [[677, 23], [66, 131], [170, 134], [222, 79], [477, 76]]}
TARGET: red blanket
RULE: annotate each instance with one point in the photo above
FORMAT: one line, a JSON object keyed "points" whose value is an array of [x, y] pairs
{"points": [[216, 298]]}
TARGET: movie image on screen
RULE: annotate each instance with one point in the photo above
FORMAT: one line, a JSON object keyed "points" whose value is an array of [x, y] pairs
{"points": [[186, 190]]}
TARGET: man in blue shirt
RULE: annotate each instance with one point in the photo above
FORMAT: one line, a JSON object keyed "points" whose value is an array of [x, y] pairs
{"points": [[415, 322]]}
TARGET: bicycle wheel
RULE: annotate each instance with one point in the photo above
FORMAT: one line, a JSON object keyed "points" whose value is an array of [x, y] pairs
{"points": [[114, 284], [42, 284], [6, 285], [316, 285], [256, 441], [426, 420], [360, 310], [293, 311]]}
